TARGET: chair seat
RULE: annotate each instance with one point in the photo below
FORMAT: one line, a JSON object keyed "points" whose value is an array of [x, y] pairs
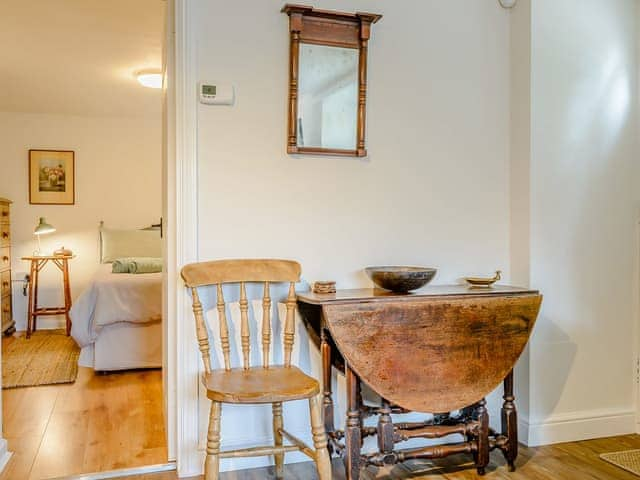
{"points": [[259, 385]]}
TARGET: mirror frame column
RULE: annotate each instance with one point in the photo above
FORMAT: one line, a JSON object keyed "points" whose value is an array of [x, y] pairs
{"points": [[295, 27]]}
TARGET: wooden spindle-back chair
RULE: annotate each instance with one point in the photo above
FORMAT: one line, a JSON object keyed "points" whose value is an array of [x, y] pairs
{"points": [[255, 384]]}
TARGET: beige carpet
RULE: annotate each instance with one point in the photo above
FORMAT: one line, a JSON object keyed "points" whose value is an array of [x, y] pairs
{"points": [[49, 357], [629, 460]]}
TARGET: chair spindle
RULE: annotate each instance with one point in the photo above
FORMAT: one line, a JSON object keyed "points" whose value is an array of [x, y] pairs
{"points": [[224, 328], [290, 325], [201, 331], [266, 325], [244, 327]]}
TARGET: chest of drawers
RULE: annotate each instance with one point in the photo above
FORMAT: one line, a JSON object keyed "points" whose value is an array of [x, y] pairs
{"points": [[7, 323]]}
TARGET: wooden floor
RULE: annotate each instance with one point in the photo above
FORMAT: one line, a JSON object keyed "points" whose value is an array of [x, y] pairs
{"points": [[101, 422], [568, 461]]}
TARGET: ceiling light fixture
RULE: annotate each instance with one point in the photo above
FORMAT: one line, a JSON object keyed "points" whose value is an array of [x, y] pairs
{"points": [[150, 79], [507, 3]]}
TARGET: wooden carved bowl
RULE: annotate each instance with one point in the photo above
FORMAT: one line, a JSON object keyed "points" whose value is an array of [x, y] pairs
{"points": [[400, 279]]}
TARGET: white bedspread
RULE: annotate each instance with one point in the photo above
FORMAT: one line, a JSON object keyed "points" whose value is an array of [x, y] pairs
{"points": [[113, 298]]}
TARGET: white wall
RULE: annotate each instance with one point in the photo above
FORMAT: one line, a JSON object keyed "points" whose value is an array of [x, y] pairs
{"points": [[434, 190], [537, 113], [118, 180], [584, 207]]}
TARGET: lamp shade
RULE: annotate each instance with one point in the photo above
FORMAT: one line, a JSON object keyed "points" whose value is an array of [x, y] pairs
{"points": [[43, 227]]}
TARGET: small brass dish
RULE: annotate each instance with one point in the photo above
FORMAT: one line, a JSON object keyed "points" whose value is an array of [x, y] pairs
{"points": [[483, 282]]}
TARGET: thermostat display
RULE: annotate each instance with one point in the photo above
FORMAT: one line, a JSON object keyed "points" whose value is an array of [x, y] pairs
{"points": [[216, 94], [209, 90]]}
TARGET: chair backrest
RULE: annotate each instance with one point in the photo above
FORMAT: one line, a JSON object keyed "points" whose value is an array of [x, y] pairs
{"points": [[220, 272]]}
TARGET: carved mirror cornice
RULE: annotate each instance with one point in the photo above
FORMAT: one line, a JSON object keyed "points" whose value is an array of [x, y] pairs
{"points": [[327, 80]]}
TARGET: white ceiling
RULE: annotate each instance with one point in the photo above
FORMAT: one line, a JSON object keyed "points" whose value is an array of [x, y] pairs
{"points": [[79, 56]]}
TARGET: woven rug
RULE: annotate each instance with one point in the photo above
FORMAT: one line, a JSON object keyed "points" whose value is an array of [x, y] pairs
{"points": [[628, 460], [49, 357]]}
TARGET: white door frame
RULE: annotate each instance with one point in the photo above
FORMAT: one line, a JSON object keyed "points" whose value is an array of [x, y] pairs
{"points": [[636, 326], [181, 212]]}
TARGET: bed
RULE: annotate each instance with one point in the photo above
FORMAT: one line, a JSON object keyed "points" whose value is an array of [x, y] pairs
{"points": [[117, 320]]}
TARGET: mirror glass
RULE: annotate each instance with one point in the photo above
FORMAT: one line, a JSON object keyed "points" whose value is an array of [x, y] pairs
{"points": [[327, 97]]}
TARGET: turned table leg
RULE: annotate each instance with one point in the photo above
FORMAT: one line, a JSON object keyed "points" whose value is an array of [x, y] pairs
{"points": [[67, 295], [385, 429], [327, 393], [34, 316], [32, 280], [482, 456], [353, 434], [510, 422]]}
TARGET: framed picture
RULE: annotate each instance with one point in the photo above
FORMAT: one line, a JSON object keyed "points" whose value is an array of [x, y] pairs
{"points": [[51, 177]]}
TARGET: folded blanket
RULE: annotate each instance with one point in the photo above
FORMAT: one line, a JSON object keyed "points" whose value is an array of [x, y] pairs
{"points": [[146, 265], [121, 265], [137, 265]]}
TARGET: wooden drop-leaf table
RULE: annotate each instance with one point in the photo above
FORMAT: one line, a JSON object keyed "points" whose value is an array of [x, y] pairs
{"points": [[437, 351]]}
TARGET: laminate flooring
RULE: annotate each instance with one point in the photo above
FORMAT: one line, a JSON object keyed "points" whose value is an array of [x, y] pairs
{"points": [[100, 422]]}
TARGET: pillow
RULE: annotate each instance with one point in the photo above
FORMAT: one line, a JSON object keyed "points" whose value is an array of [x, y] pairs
{"points": [[116, 244]]}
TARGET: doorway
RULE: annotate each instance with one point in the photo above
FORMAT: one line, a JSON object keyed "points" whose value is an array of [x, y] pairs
{"points": [[74, 85]]}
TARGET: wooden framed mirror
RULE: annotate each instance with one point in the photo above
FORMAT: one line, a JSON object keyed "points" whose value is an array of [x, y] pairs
{"points": [[327, 80]]}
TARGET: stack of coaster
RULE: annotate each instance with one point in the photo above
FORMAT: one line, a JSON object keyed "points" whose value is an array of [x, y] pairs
{"points": [[327, 286]]}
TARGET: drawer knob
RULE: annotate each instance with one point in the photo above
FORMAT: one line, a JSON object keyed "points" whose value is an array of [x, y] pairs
{"points": [[5, 213], [5, 234], [5, 259], [5, 284]]}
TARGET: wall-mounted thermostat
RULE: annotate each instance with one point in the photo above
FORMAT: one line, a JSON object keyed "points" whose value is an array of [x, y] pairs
{"points": [[215, 93]]}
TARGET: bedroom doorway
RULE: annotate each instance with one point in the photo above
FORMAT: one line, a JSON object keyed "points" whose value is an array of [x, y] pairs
{"points": [[85, 81]]}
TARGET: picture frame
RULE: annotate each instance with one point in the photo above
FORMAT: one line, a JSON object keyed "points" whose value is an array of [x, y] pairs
{"points": [[52, 177]]}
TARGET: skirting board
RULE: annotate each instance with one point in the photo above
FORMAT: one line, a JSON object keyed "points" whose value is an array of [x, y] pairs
{"points": [[577, 426]]}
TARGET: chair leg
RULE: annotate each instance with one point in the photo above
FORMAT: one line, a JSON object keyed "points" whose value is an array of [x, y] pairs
{"points": [[323, 460], [212, 462], [277, 438]]}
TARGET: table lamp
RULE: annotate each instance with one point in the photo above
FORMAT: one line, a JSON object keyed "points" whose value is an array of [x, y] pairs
{"points": [[42, 229]]}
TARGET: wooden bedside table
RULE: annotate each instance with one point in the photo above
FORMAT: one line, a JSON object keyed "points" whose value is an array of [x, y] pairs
{"points": [[37, 264]]}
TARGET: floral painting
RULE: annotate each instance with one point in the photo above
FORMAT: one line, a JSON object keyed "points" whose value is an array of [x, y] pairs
{"points": [[51, 175]]}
